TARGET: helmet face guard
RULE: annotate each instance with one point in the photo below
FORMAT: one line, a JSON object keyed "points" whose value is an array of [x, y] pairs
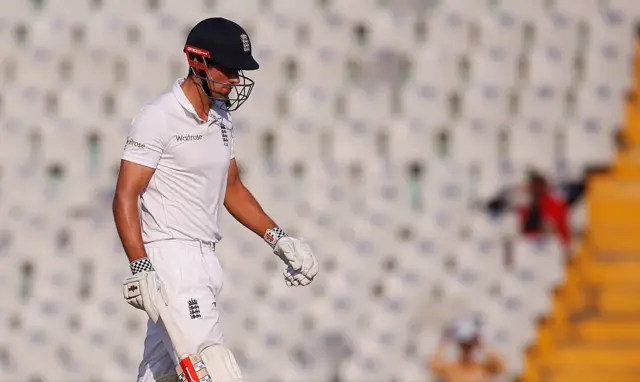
{"points": [[240, 92]]}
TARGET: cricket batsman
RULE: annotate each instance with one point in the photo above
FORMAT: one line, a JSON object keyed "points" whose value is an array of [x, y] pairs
{"points": [[179, 161]]}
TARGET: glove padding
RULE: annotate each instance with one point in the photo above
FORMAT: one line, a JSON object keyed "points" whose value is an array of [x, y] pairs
{"points": [[143, 291], [302, 265]]}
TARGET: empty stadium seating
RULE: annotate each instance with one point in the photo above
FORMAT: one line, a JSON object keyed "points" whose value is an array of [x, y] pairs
{"points": [[374, 131]]}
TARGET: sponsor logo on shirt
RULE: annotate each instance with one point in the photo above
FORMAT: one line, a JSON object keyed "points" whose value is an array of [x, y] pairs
{"points": [[134, 143], [188, 137]]}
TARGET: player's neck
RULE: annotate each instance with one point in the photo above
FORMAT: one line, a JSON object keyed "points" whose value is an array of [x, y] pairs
{"points": [[196, 96]]}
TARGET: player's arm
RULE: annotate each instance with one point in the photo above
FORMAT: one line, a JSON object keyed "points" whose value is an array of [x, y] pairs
{"points": [[301, 264], [243, 206], [133, 178]]}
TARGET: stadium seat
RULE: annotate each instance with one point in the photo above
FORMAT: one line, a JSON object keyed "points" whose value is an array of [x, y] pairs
{"points": [[451, 25], [584, 12], [475, 142], [594, 134], [551, 66], [544, 103], [494, 65], [486, 102], [533, 144], [502, 29]]}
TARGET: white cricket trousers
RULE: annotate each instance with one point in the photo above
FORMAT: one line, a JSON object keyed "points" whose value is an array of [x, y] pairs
{"points": [[192, 276]]}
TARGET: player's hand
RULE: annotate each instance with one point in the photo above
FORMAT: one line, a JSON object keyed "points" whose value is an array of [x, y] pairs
{"points": [[301, 264], [143, 290]]}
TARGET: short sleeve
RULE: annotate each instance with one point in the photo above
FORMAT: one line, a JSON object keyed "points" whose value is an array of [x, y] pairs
{"points": [[147, 138]]}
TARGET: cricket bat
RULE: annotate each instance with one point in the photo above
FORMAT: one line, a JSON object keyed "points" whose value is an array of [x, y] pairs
{"points": [[190, 368]]}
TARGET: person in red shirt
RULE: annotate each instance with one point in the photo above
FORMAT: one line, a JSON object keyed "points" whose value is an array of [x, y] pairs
{"points": [[545, 212]]}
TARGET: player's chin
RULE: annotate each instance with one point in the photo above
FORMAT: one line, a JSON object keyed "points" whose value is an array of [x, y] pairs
{"points": [[222, 96]]}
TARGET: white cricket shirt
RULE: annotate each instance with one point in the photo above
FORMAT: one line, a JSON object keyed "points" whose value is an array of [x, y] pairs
{"points": [[191, 161]]}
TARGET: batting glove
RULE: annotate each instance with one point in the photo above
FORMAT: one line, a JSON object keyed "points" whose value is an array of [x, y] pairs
{"points": [[301, 264], [143, 289]]}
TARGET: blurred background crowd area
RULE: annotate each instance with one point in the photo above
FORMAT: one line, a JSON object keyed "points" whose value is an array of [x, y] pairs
{"points": [[466, 171]]}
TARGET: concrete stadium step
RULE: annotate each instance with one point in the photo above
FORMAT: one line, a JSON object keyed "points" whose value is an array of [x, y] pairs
{"points": [[607, 330], [607, 236], [615, 201], [616, 299], [619, 256], [614, 357], [604, 375], [613, 273]]}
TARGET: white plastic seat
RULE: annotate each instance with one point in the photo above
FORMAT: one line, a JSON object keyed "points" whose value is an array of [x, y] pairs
{"points": [[588, 142], [295, 11], [276, 32], [121, 9], [544, 256], [481, 260], [24, 106], [165, 30], [59, 9], [130, 100], [532, 144], [469, 9], [108, 34], [437, 66], [147, 69], [610, 62], [583, 11], [601, 102], [322, 64], [527, 10], [402, 39], [551, 66], [449, 28], [367, 366], [502, 29], [486, 102], [446, 185], [312, 104], [76, 105], [186, 16], [16, 10], [411, 141], [8, 43], [353, 10], [32, 61], [427, 103], [613, 27], [475, 142], [368, 105], [299, 143], [330, 30], [557, 30], [50, 33], [542, 102], [85, 66], [496, 66], [628, 7], [353, 142]]}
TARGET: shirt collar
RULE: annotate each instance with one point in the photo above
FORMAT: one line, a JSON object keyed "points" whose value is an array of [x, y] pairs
{"points": [[186, 104]]}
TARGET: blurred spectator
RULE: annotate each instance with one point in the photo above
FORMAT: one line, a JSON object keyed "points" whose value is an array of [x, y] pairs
{"points": [[541, 208], [544, 211], [474, 362]]}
